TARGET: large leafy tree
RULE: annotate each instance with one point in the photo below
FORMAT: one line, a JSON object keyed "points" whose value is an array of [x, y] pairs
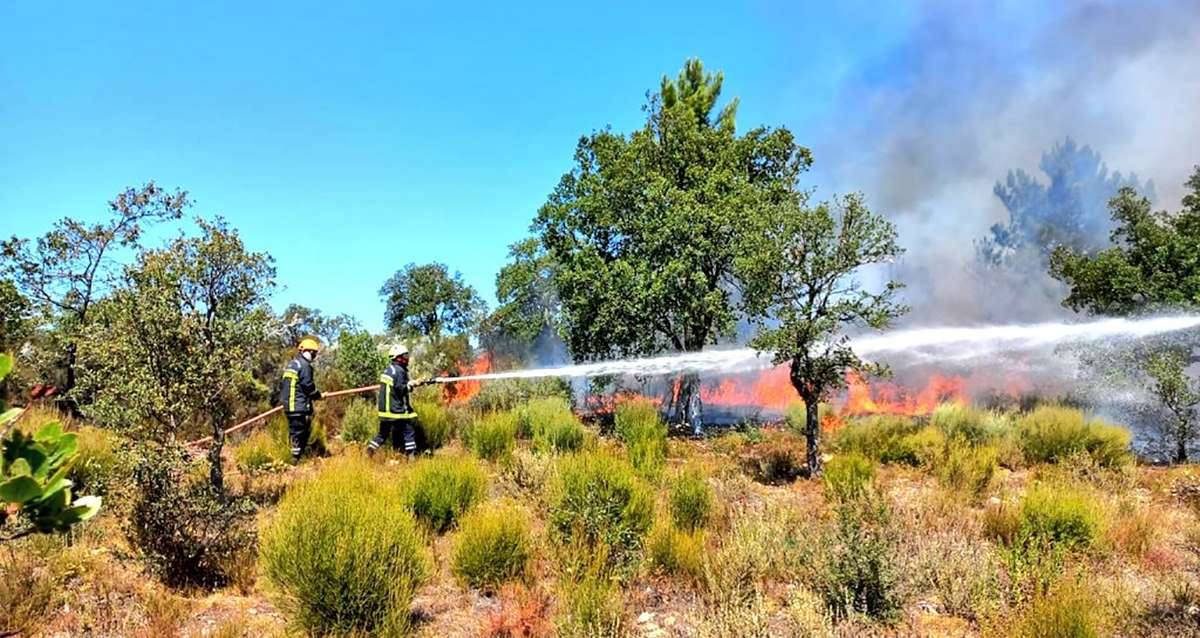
{"points": [[800, 286], [643, 231], [1069, 209], [68, 269], [173, 344], [1154, 265], [435, 310], [529, 306]]}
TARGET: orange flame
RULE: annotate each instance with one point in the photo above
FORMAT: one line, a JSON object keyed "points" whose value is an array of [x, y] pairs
{"points": [[771, 390], [888, 398], [461, 391]]}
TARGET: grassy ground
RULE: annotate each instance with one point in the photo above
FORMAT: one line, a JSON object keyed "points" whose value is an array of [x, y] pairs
{"points": [[947, 538]]}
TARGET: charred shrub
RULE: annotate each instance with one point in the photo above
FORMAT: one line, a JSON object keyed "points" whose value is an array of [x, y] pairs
{"points": [[190, 535], [778, 458]]}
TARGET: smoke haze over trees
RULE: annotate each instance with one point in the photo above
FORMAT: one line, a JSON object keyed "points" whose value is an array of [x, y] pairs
{"points": [[979, 89]]}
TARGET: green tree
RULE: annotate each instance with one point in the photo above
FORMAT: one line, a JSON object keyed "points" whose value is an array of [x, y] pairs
{"points": [[358, 359], [529, 306], [68, 269], [1151, 267], [800, 287], [435, 311], [16, 320], [644, 230], [301, 321], [175, 341]]}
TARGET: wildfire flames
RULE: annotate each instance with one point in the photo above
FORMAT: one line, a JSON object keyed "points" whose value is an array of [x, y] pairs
{"points": [[772, 390]]}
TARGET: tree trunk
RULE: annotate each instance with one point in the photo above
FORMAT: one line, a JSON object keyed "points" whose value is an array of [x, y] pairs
{"points": [[1181, 438], [689, 409], [65, 397], [216, 474], [812, 435]]}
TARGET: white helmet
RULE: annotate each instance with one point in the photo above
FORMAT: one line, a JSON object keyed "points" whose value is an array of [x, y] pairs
{"points": [[397, 350]]}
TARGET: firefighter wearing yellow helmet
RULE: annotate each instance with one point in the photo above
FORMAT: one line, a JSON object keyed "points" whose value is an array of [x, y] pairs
{"points": [[297, 391], [397, 419]]}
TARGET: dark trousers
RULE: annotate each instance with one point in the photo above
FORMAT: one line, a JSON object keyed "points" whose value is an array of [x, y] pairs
{"points": [[403, 434], [299, 429]]}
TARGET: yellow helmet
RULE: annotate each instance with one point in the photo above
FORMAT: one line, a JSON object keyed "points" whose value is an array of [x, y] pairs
{"points": [[309, 343]]}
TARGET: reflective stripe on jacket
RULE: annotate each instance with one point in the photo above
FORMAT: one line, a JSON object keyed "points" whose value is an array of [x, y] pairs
{"points": [[393, 393], [296, 388]]}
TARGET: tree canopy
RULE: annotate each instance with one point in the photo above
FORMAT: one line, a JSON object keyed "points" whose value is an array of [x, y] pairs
{"points": [[1069, 210], [428, 301], [799, 285]]}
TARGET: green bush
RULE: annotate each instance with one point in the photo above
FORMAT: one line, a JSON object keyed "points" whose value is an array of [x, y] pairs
{"points": [[552, 425], [966, 470], [1059, 517], [675, 551], [847, 477], [975, 426], [98, 466], [260, 451], [188, 534], [596, 499], [357, 359], [494, 546], [779, 457], [345, 556], [317, 443], [644, 432], [1053, 433], [1066, 611], [437, 421], [861, 575], [360, 423], [691, 499], [888, 439], [441, 489], [509, 394], [494, 435], [590, 604]]}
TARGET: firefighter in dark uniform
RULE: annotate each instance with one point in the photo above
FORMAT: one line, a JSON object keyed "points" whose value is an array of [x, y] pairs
{"points": [[297, 391], [397, 420]]}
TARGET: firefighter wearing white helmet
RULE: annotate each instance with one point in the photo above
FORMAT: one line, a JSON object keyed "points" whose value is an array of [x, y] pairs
{"points": [[397, 419]]}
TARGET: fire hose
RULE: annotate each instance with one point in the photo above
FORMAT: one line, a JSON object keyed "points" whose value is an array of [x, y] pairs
{"points": [[324, 395]]}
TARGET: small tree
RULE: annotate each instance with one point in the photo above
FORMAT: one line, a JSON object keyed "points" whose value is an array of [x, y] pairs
{"points": [[799, 287], [68, 269], [176, 339], [1179, 395], [1151, 267], [358, 360]]}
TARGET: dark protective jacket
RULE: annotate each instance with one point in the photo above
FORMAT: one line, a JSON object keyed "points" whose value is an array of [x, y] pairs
{"points": [[296, 389], [393, 393]]}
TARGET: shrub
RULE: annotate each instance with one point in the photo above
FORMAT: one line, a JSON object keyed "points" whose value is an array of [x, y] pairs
{"points": [[590, 603], [260, 451], [1059, 517], [441, 489], [778, 458], [887, 439], [861, 576], [189, 534], [97, 466], [344, 555], [847, 477], [966, 470], [437, 422], [675, 551], [1066, 611], [552, 425], [494, 545], [360, 423], [317, 443], [596, 499], [494, 435], [691, 499], [508, 394], [1053, 433], [644, 432], [32, 580], [975, 426]]}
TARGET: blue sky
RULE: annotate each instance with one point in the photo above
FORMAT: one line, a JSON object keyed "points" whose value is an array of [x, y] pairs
{"points": [[348, 141]]}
